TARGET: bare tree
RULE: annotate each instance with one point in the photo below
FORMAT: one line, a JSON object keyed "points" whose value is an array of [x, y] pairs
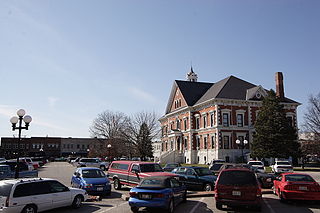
{"points": [[111, 126], [312, 116], [147, 120]]}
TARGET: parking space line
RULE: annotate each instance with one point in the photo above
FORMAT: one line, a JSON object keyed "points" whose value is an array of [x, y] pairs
{"points": [[106, 210], [197, 205], [269, 206]]}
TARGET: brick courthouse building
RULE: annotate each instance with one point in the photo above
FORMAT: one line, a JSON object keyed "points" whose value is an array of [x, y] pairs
{"points": [[203, 120]]}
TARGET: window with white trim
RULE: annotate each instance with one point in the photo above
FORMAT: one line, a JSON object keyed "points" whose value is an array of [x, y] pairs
{"points": [[205, 141], [225, 119], [212, 141], [204, 121], [240, 120], [197, 123], [226, 142], [198, 142]]}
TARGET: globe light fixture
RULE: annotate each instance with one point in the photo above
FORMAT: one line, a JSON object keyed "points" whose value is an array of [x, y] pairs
{"points": [[242, 144], [14, 120]]}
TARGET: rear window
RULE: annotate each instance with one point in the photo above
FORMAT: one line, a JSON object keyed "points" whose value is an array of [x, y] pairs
{"points": [[216, 166], [89, 160], [256, 163], [5, 189], [298, 178], [150, 168], [120, 166], [237, 178]]}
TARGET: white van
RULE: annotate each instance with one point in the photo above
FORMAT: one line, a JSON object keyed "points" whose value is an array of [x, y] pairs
{"points": [[31, 195]]}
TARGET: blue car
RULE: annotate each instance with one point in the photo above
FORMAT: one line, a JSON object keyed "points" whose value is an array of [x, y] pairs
{"points": [[158, 192], [93, 180]]}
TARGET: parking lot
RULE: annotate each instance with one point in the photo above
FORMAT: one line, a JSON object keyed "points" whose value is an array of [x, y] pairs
{"points": [[115, 203]]}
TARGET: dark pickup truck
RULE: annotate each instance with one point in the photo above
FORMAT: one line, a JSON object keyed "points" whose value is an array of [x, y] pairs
{"points": [[7, 172]]}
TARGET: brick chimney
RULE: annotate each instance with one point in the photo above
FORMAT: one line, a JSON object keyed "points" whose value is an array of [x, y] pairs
{"points": [[279, 85]]}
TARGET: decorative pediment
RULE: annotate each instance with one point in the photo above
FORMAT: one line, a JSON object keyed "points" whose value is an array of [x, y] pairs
{"points": [[256, 93]]}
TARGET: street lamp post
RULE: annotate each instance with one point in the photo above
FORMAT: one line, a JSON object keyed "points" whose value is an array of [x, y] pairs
{"points": [[109, 150], [14, 120], [242, 144]]}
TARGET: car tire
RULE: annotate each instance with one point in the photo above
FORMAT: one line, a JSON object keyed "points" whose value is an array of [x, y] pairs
{"points": [[103, 168], [134, 209], [184, 197], [77, 202], [29, 209], [282, 200], [171, 206], [219, 206], [207, 187], [116, 184]]}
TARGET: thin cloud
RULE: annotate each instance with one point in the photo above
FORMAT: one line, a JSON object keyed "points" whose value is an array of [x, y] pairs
{"points": [[142, 95], [52, 101]]}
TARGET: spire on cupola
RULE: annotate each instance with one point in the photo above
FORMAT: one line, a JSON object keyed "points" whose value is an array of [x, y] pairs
{"points": [[192, 76]]}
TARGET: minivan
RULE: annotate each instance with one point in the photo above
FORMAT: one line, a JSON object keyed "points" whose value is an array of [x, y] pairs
{"points": [[31, 195], [238, 187]]}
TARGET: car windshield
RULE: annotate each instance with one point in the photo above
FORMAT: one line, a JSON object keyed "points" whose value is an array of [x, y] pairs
{"points": [[5, 189], [150, 168], [237, 178], [203, 171], [172, 165], [283, 163], [89, 160], [216, 166], [92, 173], [256, 163], [298, 178]]}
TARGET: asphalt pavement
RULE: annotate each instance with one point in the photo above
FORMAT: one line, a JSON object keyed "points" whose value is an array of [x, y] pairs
{"points": [[114, 203]]}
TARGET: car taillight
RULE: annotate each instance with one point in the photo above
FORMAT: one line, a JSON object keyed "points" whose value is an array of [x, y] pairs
{"points": [[158, 195], [133, 194], [259, 193]]}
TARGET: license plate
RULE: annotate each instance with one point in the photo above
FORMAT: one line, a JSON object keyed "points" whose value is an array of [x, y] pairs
{"points": [[236, 193], [100, 189], [145, 196], [304, 188]]}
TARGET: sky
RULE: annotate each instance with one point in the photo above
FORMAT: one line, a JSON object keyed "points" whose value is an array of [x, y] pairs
{"points": [[65, 62]]}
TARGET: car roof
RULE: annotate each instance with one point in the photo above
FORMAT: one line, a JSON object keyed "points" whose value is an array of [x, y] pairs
{"points": [[88, 168], [294, 173], [129, 162], [192, 167], [23, 180], [237, 169]]}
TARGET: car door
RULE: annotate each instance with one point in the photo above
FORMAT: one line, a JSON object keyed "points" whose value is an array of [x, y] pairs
{"points": [[134, 174], [192, 179], [61, 195], [37, 193], [177, 190]]}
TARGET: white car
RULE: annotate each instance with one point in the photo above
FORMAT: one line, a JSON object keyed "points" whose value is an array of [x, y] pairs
{"points": [[32, 195], [282, 166], [257, 165], [93, 162]]}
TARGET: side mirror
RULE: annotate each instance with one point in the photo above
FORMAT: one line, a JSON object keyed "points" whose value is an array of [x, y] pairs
{"points": [[78, 175]]}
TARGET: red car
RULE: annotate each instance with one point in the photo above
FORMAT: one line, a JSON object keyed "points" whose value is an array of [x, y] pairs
{"points": [[238, 187], [296, 186]]}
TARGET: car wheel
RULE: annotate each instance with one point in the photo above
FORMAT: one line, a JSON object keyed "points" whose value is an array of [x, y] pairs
{"points": [[103, 168], [274, 190], [116, 184], [207, 187], [77, 202], [29, 209], [171, 206], [219, 206], [281, 197], [184, 197], [134, 209]]}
